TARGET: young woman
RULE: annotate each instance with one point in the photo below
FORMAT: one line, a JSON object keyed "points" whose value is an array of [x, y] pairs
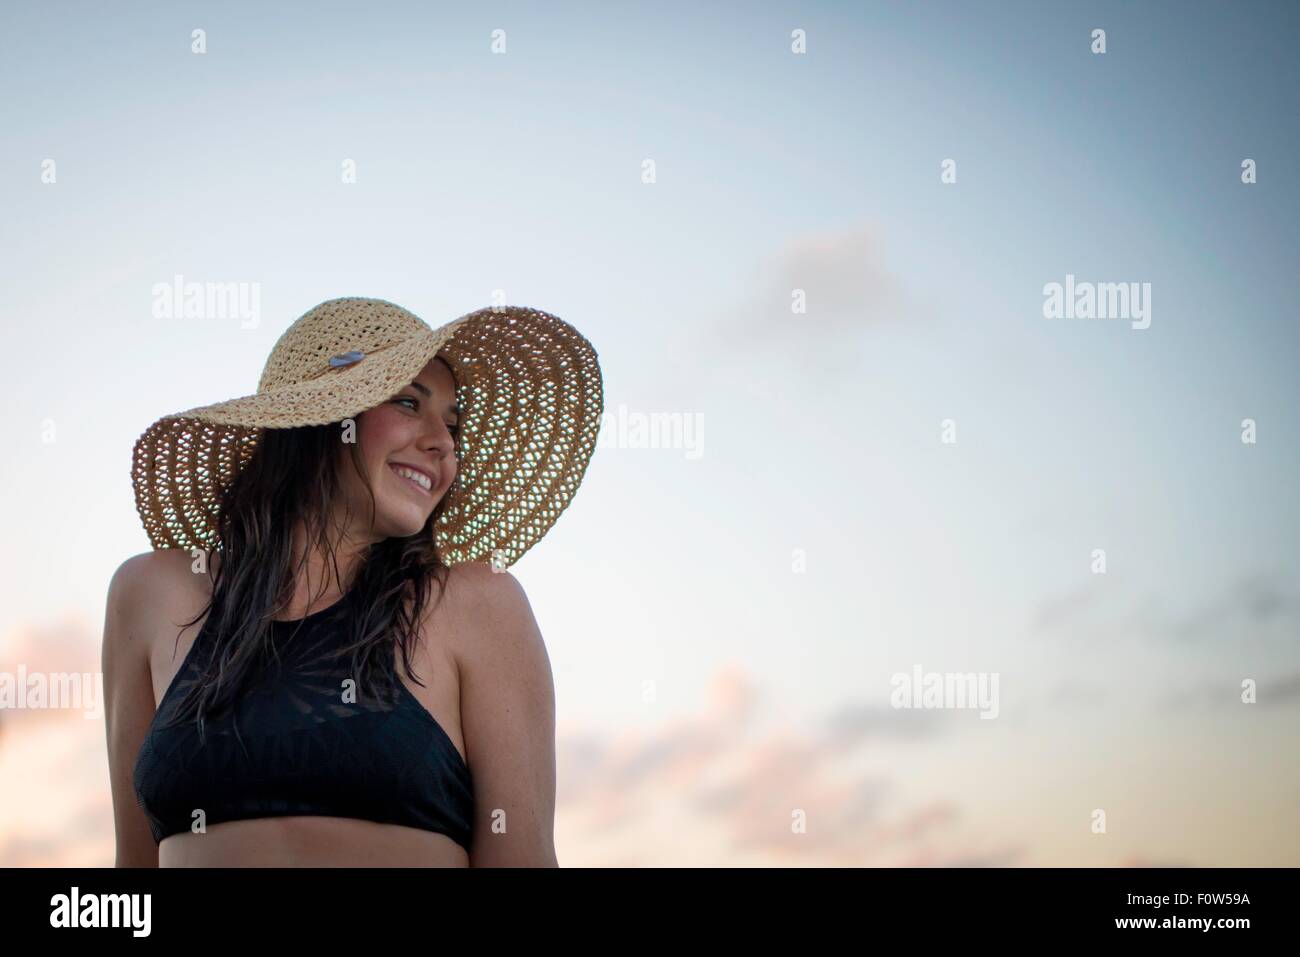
{"points": [[356, 680]]}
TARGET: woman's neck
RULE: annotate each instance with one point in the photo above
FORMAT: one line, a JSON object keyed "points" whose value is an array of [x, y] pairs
{"points": [[323, 575]]}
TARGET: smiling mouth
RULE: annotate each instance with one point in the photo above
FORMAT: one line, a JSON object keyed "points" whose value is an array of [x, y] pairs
{"points": [[405, 475]]}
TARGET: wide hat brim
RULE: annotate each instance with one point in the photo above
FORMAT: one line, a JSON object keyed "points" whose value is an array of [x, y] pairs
{"points": [[531, 396]]}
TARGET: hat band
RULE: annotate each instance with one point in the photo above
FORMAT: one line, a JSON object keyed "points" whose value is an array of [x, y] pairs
{"points": [[344, 360]]}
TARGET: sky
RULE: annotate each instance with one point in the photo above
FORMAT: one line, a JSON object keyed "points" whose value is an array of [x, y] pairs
{"points": [[914, 471]]}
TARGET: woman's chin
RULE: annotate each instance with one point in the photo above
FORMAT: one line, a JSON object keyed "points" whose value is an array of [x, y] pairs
{"points": [[404, 521]]}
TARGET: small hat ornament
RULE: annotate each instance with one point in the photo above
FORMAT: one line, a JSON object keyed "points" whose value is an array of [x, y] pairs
{"points": [[347, 359]]}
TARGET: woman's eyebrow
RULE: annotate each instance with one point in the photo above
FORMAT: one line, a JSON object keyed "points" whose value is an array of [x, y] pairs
{"points": [[454, 409]]}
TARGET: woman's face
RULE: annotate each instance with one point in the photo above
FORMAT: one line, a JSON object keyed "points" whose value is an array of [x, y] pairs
{"points": [[415, 429]]}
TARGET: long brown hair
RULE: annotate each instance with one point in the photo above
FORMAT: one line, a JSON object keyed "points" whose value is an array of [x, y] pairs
{"points": [[292, 481]]}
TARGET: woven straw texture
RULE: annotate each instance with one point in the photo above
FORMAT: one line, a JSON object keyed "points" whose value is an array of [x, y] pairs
{"points": [[528, 383]]}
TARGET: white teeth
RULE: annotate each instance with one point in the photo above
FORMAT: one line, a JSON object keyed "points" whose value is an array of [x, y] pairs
{"points": [[419, 477]]}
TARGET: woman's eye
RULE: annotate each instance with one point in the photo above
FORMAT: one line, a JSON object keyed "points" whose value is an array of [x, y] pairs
{"points": [[415, 407]]}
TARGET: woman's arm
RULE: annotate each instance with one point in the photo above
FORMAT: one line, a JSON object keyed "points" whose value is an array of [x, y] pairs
{"points": [[128, 707], [508, 718]]}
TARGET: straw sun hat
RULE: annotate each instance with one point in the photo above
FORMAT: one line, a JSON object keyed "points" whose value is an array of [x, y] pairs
{"points": [[531, 396]]}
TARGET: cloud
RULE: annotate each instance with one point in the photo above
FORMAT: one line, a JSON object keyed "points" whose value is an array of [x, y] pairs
{"points": [[1271, 691], [1254, 604], [733, 785], [1257, 605], [847, 291], [1073, 608], [64, 647], [851, 725], [1066, 694], [843, 277], [56, 806], [1249, 614]]}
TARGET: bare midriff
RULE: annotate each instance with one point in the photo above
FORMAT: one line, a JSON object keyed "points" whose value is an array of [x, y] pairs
{"points": [[310, 841]]}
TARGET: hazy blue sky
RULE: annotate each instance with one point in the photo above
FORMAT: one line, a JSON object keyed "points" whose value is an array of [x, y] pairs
{"points": [[821, 431]]}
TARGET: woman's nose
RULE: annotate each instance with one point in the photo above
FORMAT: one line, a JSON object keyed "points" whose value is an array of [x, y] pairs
{"points": [[440, 440]]}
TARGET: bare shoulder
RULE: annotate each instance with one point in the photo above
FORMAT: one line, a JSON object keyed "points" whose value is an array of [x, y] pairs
{"points": [[480, 582], [488, 614], [142, 579], [149, 566], [153, 593]]}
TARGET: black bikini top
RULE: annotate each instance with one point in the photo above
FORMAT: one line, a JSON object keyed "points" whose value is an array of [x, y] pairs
{"points": [[297, 744]]}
